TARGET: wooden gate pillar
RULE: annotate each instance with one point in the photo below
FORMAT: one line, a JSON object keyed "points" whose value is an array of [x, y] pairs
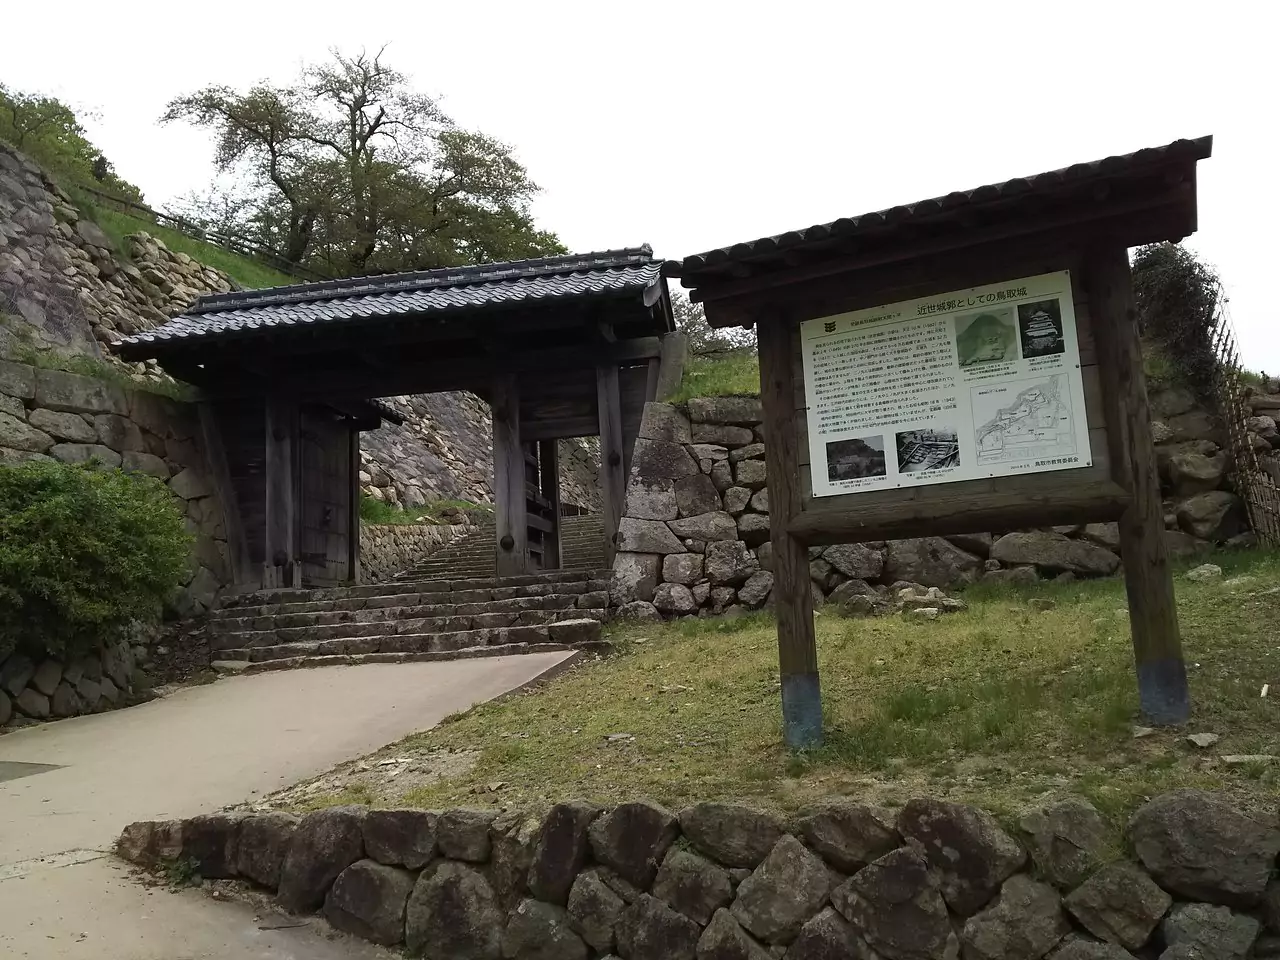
{"points": [[1153, 615], [510, 520], [281, 566], [549, 483], [612, 455], [792, 592]]}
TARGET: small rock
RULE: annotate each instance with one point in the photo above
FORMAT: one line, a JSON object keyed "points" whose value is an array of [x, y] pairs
{"points": [[1204, 573], [1203, 740], [1141, 732], [1244, 759], [1041, 603], [1120, 904]]}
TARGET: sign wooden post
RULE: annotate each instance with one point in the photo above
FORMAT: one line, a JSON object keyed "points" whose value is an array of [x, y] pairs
{"points": [[962, 365]]}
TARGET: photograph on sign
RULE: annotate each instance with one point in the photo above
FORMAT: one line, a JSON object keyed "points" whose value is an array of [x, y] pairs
{"points": [[978, 383]]}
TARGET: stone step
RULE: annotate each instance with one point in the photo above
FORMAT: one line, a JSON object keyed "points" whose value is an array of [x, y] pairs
{"points": [[302, 662], [491, 599], [265, 632], [565, 635], [420, 585]]}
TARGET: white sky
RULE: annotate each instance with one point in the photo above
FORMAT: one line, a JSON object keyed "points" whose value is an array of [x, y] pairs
{"points": [[694, 124]]}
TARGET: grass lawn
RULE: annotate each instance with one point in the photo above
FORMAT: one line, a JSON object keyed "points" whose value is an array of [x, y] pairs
{"points": [[248, 273], [999, 705], [732, 375]]}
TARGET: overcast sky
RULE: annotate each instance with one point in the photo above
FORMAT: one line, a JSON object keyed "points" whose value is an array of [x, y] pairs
{"points": [[689, 125]]}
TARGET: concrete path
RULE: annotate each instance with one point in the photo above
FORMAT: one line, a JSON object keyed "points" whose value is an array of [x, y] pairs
{"points": [[194, 752]]}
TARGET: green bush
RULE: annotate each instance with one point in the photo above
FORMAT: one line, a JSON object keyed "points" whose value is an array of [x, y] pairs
{"points": [[83, 553]]}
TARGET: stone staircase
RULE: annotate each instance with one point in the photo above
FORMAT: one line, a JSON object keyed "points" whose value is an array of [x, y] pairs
{"points": [[581, 548], [411, 620]]}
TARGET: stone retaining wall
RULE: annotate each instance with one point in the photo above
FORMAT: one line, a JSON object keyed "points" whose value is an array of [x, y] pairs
{"points": [[52, 415], [694, 538], [725, 882], [388, 549]]}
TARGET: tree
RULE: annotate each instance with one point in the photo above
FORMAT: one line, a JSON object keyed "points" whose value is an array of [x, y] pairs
{"points": [[1176, 300], [704, 339], [48, 131], [351, 171]]}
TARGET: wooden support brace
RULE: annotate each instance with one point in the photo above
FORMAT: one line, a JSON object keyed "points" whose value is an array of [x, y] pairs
{"points": [[612, 455], [353, 509], [549, 482], [792, 593], [1153, 615], [510, 512]]}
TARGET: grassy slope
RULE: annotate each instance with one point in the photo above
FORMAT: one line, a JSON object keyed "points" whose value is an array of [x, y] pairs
{"points": [[248, 273], [735, 374], [999, 705]]}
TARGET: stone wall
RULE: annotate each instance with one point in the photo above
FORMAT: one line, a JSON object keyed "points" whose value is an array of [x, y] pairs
{"points": [[52, 415], [695, 534], [64, 287], [444, 451], [724, 882], [388, 549]]}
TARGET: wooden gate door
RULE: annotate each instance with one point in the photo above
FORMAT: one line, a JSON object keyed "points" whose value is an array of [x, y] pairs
{"points": [[326, 499]]}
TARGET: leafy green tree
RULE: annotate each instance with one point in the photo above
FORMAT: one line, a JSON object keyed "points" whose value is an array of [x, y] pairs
{"points": [[704, 339], [348, 170], [83, 554], [49, 131], [1176, 298]]}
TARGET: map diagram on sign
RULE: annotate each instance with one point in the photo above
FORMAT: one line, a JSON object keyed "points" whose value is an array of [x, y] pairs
{"points": [[1031, 423]]}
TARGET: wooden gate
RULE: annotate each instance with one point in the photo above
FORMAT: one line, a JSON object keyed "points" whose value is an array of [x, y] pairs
{"points": [[325, 480]]}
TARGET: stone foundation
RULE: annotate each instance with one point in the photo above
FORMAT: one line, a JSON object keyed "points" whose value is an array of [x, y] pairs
{"points": [[694, 538], [725, 882]]}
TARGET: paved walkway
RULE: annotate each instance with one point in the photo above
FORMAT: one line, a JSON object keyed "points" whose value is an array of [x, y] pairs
{"points": [[193, 752]]}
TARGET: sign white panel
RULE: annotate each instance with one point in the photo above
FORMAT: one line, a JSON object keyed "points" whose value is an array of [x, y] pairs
{"points": [[978, 383]]}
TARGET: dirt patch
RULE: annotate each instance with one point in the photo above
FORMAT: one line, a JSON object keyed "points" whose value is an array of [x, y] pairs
{"points": [[382, 778], [180, 655]]}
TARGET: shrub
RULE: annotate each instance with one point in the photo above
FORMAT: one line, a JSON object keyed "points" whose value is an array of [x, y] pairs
{"points": [[83, 554], [1176, 298]]}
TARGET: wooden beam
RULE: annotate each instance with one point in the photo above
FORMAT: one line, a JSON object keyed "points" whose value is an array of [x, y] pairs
{"points": [[233, 525], [353, 509], [511, 525], [549, 482], [792, 592], [1067, 502], [282, 516], [1153, 615], [612, 455]]}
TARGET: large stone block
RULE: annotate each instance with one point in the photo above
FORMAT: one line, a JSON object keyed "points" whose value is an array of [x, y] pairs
{"points": [[57, 390], [1067, 840], [119, 433], [652, 499], [541, 931], [514, 838], [685, 568], [715, 525], [594, 909], [674, 599], [751, 473], [729, 563], [724, 939], [561, 850], [86, 453], [15, 434], [400, 838], [828, 936], [788, 888], [755, 592], [648, 929], [731, 834], [745, 411], [848, 834], [1216, 516], [1054, 553], [753, 528], [694, 886], [662, 421], [17, 380], [463, 834], [1120, 904], [212, 841], [191, 484], [264, 841], [661, 460], [969, 850], [1198, 931], [368, 899], [647, 536], [1196, 845], [722, 434], [634, 577], [1025, 921], [932, 561], [63, 426], [895, 905], [324, 843], [696, 495], [632, 839], [452, 915]]}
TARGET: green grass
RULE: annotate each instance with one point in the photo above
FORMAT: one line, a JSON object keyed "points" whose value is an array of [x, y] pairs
{"points": [[999, 705], [248, 273], [25, 352], [377, 512], [734, 374]]}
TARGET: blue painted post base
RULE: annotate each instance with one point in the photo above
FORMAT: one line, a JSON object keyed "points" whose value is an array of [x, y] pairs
{"points": [[1162, 693], [801, 711]]}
